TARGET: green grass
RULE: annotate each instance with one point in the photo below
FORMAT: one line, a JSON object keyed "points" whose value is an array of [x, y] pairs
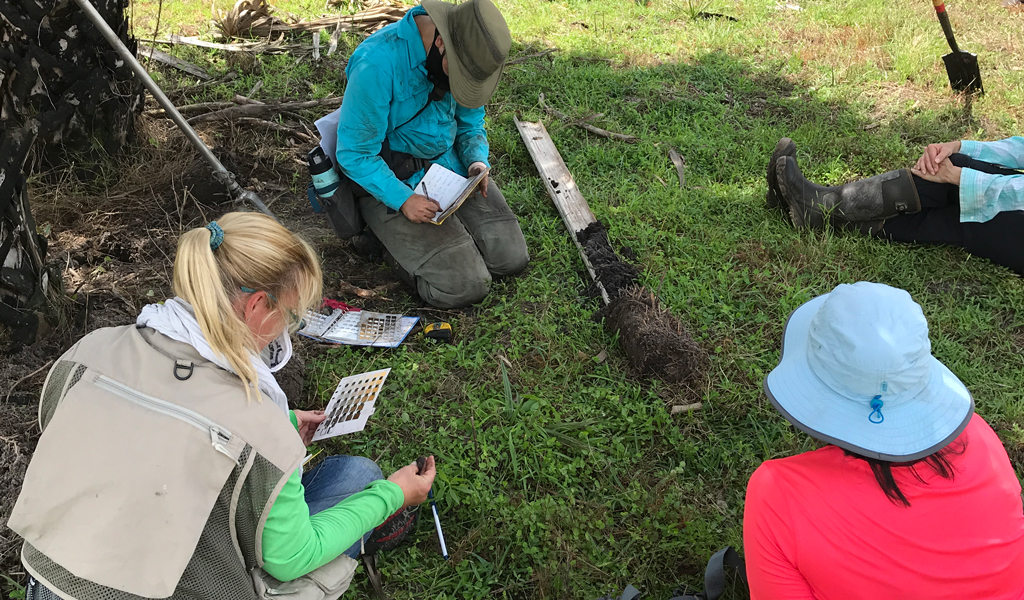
{"points": [[562, 477]]}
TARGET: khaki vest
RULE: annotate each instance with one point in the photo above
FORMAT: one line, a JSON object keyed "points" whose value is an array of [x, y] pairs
{"points": [[154, 474]]}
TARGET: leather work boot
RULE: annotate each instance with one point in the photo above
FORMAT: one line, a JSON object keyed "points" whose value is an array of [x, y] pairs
{"points": [[785, 147], [862, 205]]}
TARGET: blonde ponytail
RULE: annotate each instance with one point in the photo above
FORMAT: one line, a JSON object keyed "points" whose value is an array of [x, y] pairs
{"points": [[255, 252]]}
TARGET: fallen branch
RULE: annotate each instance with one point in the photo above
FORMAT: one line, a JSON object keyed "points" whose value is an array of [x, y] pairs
{"points": [[257, 110], [277, 46], [173, 61], [523, 59], [200, 107], [591, 128], [243, 100], [295, 133]]}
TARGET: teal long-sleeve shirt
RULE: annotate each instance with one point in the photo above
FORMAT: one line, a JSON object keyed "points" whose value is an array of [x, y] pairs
{"points": [[983, 195], [387, 86], [295, 543]]}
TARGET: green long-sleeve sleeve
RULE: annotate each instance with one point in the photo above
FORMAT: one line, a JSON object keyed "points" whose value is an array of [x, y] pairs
{"points": [[295, 543]]}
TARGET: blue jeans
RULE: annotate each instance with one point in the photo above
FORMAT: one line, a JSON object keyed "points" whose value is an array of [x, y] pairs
{"points": [[337, 478]]}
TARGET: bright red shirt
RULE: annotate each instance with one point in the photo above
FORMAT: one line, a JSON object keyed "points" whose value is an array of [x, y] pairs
{"points": [[817, 525]]}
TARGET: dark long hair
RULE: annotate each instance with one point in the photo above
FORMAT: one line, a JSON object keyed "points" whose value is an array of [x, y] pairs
{"points": [[938, 462]]}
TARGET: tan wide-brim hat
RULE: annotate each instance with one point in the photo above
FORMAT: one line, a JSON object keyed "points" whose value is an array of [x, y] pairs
{"points": [[477, 42]]}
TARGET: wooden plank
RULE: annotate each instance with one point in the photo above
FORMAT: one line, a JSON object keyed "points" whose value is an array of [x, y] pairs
{"points": [[558, 181], [173, 61]]}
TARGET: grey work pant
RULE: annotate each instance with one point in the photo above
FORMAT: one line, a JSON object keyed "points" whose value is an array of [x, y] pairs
{"points": [[452, 263]]}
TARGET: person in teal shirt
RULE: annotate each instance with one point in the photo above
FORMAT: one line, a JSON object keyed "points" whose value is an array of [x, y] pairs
{"points": [[415, 96], [962, 193]]}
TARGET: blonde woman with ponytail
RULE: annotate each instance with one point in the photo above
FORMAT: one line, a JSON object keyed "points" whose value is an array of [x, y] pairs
{"points": [[170, 465]]}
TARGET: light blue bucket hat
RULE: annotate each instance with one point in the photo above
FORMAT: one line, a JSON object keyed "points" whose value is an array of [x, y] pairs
{"points": [[857, 371]]}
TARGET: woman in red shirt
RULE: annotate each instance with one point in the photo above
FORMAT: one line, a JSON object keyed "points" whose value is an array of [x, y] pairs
{"points": [[914, 497]]}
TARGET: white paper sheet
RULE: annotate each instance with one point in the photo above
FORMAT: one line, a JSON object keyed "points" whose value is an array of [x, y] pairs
{"points": [[328, 128]]}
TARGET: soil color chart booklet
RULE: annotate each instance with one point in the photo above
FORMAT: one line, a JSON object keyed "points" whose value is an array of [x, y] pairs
{"points": [[352, 404], [447, 188], [358, 328]]}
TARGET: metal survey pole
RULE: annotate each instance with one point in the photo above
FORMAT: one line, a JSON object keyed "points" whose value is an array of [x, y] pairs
{"points": [[220, 173]]}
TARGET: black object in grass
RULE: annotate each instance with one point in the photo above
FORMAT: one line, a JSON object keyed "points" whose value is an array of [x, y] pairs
{"points": [[613, 273]]}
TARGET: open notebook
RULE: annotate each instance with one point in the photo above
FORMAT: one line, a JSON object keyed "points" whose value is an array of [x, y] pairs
{"points": [[447, 188], [358, 328]]}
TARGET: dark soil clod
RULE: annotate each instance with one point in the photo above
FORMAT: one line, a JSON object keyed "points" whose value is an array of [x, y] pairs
{"points": [[656, 342], [614, 274]]}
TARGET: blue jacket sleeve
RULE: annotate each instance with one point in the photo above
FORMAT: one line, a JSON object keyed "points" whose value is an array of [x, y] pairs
{"points": [[362, 126], [982, 195], [470, 136], [1008, 153]]}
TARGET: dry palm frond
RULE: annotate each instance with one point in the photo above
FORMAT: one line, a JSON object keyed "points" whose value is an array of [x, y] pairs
{"points": [[250, 18], [255, 19]]}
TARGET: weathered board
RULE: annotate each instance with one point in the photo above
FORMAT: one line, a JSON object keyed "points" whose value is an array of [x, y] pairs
{"points": [[571, 204], [173, 61]]}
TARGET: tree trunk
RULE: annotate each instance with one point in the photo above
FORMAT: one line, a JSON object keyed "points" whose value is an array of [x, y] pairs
{"points": [[64, 95]]}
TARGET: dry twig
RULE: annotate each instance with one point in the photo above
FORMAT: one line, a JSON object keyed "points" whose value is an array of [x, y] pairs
{"points": [[581, 123], [302, 136], [256, 110], [527, 57], [347, 289], [29, 376], [681, 408]]}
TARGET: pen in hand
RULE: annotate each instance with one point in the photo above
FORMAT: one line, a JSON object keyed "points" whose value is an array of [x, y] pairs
{"points": [[420, 464]]}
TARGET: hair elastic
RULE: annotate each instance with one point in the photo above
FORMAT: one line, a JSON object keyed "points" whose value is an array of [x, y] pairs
{"points": [[876, 409], [216, 235]]}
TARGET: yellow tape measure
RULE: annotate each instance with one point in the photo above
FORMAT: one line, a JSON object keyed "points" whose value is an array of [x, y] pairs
{"points": [[440, 331]]}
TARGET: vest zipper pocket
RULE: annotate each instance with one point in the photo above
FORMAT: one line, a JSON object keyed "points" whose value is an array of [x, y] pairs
{"points": [[218, 435]]}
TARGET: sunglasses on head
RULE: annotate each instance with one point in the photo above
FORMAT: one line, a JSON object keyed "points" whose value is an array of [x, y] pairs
{"points": [[295, 322]]}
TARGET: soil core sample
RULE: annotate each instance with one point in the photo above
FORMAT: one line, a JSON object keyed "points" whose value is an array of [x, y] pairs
{"points": [[657, 344], [613, 273]]}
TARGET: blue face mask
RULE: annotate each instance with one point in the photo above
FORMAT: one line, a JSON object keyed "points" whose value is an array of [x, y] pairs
{"points": [[435, 66]]}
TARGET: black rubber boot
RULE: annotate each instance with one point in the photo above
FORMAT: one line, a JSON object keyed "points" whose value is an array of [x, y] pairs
{"points": [[862, 205], [773, 198]]}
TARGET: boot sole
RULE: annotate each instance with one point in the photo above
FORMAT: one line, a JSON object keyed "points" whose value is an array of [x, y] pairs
{"points": [[785, 147], [795, 216]]}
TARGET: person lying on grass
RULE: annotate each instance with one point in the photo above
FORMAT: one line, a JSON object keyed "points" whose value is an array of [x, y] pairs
{"points": [[962, 193], [415, 96], [914, 495], [170, 464]]}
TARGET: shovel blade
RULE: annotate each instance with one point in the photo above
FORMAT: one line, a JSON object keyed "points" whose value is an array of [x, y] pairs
{"points": [[963, 71]]}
